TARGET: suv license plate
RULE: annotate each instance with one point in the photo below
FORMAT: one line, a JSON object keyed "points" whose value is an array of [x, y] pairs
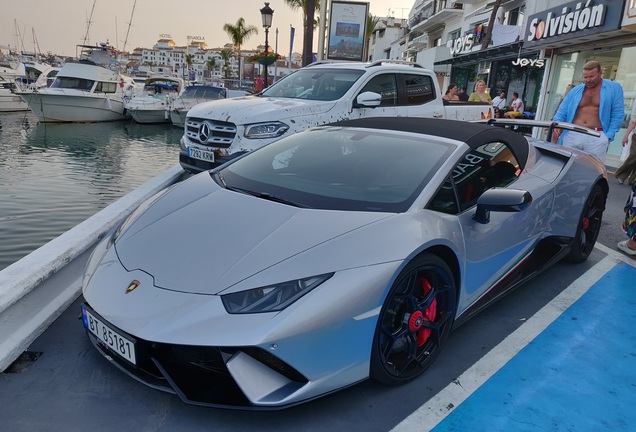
{"points": [[205, 155]]}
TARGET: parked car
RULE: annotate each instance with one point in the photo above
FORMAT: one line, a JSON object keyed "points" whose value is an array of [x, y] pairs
{"points": [[195, 94], [318, 94], [341, 253]]}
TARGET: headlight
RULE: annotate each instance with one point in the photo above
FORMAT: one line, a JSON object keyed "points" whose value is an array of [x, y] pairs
{"points": [[271, 298], [265, 130]]}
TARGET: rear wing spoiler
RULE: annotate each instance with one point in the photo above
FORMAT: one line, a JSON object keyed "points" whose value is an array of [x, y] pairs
{"points": [[522, 125]]}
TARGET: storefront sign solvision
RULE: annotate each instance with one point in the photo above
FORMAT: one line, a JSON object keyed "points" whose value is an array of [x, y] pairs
{"points": [[571, 20]]}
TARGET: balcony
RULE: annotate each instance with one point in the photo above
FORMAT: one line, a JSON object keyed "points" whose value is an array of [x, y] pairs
{"points": [[443, 11], [428, 57], [420, 42]]}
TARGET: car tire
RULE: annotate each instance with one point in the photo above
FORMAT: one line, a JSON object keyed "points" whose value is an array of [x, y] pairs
{"points": [[415, 320], [589, 226]]}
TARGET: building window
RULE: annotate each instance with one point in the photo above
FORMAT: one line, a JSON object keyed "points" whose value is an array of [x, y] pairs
{"points": [[514, 17]]}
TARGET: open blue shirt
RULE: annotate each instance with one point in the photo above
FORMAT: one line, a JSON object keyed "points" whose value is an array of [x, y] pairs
{"points": [[611, 112]]}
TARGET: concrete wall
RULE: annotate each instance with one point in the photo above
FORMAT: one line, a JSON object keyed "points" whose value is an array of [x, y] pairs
{"points": [[35, 290]]}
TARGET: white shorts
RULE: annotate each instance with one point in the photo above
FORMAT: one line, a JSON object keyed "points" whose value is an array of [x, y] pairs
{"points": [[596, 146]]}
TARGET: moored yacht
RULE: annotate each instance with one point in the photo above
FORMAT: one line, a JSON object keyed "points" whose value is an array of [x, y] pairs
{"points": [[83, 91], [18, 76], [149, 106]]}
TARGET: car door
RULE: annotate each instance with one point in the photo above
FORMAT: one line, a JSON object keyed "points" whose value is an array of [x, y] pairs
{"points": [[420, 97], [386, 85], [491, 249]]}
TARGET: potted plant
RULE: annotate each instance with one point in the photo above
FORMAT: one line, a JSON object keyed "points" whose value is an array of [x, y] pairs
{"points": [[265, 58]]}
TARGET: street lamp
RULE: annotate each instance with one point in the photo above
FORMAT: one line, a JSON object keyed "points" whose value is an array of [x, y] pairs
{"points": [[266, 13]]}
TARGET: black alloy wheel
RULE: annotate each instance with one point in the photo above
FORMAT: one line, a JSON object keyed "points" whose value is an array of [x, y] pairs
{"points": [[589, 226], [415, 320]]}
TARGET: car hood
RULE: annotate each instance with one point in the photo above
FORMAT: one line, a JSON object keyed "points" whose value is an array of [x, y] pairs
{"points": [[255, 109], [201, 238]]}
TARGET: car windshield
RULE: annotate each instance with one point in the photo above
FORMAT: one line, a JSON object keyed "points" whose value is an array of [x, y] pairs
{"points": [[323, 84], [203, 92], [335, 168]]}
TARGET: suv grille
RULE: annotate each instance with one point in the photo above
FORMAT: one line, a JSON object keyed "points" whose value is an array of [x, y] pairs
{"points": [[210, 132]]}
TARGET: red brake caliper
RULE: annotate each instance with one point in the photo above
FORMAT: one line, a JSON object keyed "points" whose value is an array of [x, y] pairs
{"points": [[417, 318], [586, 223]]}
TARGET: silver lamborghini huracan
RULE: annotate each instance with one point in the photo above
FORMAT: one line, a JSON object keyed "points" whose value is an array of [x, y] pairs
{"points": [[342, 253]]}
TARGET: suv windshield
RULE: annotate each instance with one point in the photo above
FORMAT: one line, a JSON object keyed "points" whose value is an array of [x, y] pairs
{"points": [[323, 84]]}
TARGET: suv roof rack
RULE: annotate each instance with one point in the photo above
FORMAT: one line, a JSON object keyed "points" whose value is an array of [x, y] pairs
{"points": [[321, 62], [402, 62]]}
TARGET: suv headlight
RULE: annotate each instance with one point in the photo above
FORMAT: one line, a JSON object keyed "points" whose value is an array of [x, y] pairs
{"points": [[271, 298], [265, 130]]}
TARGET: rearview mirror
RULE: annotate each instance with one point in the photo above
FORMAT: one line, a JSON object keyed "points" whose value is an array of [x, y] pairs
{"points": [[501, 200], [368, 100]]}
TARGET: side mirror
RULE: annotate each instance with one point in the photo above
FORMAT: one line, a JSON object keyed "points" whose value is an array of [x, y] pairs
{"points": [[501, 200], [368, 100]]}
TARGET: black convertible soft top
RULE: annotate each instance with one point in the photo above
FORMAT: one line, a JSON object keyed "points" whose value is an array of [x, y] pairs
{"points": [[473, 134]]}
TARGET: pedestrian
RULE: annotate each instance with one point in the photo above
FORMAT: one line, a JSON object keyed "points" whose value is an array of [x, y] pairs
{"points": [[596, 104], [629, 224], [480, 94], [499, 101], [516, 107], [462, 95], [451, 93], [499, 104], [627, 171]]}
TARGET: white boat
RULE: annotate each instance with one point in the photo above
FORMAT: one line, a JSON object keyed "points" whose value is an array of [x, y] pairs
{"points": [[15, 77], [83, 91], [194, 95], [9, 100], [149, 106]]}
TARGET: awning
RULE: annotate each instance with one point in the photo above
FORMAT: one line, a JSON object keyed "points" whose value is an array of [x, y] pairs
{"points": [[492, 54]]}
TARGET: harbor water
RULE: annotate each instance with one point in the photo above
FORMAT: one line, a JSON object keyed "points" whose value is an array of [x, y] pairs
{"points": [[54, 176]]}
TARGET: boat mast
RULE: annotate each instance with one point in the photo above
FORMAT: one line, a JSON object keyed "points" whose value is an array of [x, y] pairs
{"points": [[88, 24], [129, 24]]}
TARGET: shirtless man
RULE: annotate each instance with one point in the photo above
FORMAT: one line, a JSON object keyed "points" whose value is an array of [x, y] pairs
{"points": [[597, 104]]}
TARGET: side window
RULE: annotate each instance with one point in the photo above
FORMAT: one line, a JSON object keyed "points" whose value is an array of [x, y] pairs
{"points": [[488, 166], [445, 200], [419, 89], [105, 87], [386, 86]]}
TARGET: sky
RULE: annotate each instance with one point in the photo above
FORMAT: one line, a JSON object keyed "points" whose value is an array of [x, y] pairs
{"points": [[60, 25]]}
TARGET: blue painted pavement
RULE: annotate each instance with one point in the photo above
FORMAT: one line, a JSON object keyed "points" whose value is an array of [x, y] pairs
{"points": [[579, 374]]}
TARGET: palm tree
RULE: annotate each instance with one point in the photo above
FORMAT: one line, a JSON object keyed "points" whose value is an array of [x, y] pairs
{"points": [[491, 22], [226, 55], [211, 65], [188, 60], [372, 22], [239, 33], [308, 32], [302, 4]]}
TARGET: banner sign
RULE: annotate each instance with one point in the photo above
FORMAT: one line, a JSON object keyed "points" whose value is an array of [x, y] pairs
{"points": [[347, 25]]}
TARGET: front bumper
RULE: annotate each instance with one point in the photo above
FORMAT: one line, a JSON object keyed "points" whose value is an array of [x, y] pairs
{"points": [[196, 165], [222, 377]]}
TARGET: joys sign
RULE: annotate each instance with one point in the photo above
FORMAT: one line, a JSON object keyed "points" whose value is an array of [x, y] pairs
{"points": [[523, 62], [462, 44]]}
